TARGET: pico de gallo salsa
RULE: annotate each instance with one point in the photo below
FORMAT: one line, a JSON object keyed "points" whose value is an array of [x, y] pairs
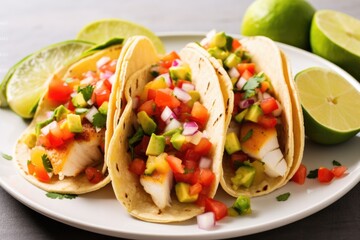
{"points": [[71, 140]]}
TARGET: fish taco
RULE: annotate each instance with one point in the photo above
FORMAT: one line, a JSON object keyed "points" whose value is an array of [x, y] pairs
{"points": [[265, 134], [165, 154], [63, 149]]}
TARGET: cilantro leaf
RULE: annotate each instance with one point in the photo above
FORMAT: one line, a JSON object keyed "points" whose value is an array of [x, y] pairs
{"points": [[6, 156], [247, 135], [136, 137], [283, 197], [99, 120], [86, 92], [336, 163], [54, 195], [252, 84], [313, 173], [46, 162]]}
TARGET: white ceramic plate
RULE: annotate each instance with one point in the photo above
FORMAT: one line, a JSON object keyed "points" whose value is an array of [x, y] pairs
{"points": [[100, 212]]}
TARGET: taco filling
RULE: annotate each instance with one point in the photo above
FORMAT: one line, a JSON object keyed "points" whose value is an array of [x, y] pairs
{"points": [[252, 149], [170, 147], [70, 139]]}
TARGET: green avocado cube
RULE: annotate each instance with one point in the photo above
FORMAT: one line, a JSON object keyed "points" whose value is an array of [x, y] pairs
{"points": [[218, 53], [232, 143], [172, 132], [244, 176], [60, 112], [242, 205], [183, 193], [156, 145], [103, 109], [74, 123], [79, 100], [218, 40], [146, 122], [180, 72], [253, 113], [177, 140], [195, 96], [150, 165], [240, 116], [232, 60]]}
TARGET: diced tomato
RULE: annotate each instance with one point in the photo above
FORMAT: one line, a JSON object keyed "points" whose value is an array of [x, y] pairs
{"points": [[41, 174], [185, 177], [264, 86], [300, 175], [137, 166], [325, 175], [247, 74], [180, 82], [44, 141], [163, 99], [206, 177], [267, 121], [65, 131], [175, 164], [151, 94], [201, 200], [190, 165], [149, 107], [140, 149], [242, 67], [108, 84], [203, 147], [218, 208], [183, 112], [59, 90], [200, 114], [167, 60], [69, 105], [31, 168], [94, 175], [192, 155], [195, 189], [268, 105], [339, 171], [237, 99], [55, 141], [102, 94], [235, 44], [109, 66], [237, 158]]}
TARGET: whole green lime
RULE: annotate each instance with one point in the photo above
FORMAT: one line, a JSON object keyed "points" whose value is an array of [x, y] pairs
{"points": [[286, 21]]}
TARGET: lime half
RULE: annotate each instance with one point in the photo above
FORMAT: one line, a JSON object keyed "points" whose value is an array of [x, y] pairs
{"points": [[102, 30], [336, 37], [26, 81], [331, 105]]}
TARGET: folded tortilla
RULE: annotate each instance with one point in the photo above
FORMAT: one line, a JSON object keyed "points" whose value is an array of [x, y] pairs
{"points": [[126, 185], [269, 59]]}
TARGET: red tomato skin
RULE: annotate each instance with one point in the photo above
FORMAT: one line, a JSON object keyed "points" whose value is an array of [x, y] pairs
{"points": [[267, 121], [339, 171], [195, 189], [41, 174], [268, 105], [163, 99], [175, 164], [206, 177], [325, 175], [242, 67], [149, 107], [93, 175], [200, 114], [247, 74], [300, 175], [235, 44], [218, 208], [59, 90], [203, 147], [102, 96], [137, 166]]}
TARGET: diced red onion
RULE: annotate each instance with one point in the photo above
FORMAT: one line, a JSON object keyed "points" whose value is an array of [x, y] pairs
{"points": [[190, 128], [233, 73], [206, 221], [181, 95], [240, 84], [277, 112], [45, 130], [106, 75], [173, 124], [195, 139], [246, 103], [176, 62], [188, 87], [167, 114], [90, 114], [102, 61], [205, 163], [135, 102]]}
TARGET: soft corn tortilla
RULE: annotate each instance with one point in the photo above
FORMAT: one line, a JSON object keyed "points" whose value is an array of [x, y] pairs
{"points": [[69, 185], [126, 185], [269, 59]]}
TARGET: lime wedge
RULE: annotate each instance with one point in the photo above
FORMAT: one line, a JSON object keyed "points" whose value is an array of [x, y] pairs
{"points": [[336, 37], [331, 105], [26, 80], [102, 30]]}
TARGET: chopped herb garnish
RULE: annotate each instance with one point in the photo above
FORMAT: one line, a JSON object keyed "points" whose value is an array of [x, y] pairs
{"points": [[80, 111], [283, 197], [247, 135], [6, 156], [86, 92], [136, 137], [54, 195], [252, 84], [336, 163], [99, 120], [46, 162], [313, 173]]}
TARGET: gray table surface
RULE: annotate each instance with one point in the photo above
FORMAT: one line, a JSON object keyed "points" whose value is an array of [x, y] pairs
{"points": [[26, 26]]}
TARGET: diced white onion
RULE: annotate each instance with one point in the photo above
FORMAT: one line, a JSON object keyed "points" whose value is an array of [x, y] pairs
{"points": [[195, 139], [190, 128], [277, 112], [90, 102], [188, 87], [102, 61], [233, 73], [106, 75], [87, 81], [73, 94], [181, 95], [240, 84], [173, 124], [167, 78], [206, 221], [205, 163], [45, 130], [266, 95], [208, 37], [49, 114], [112, 79], [167, 114], [90, 114]]}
